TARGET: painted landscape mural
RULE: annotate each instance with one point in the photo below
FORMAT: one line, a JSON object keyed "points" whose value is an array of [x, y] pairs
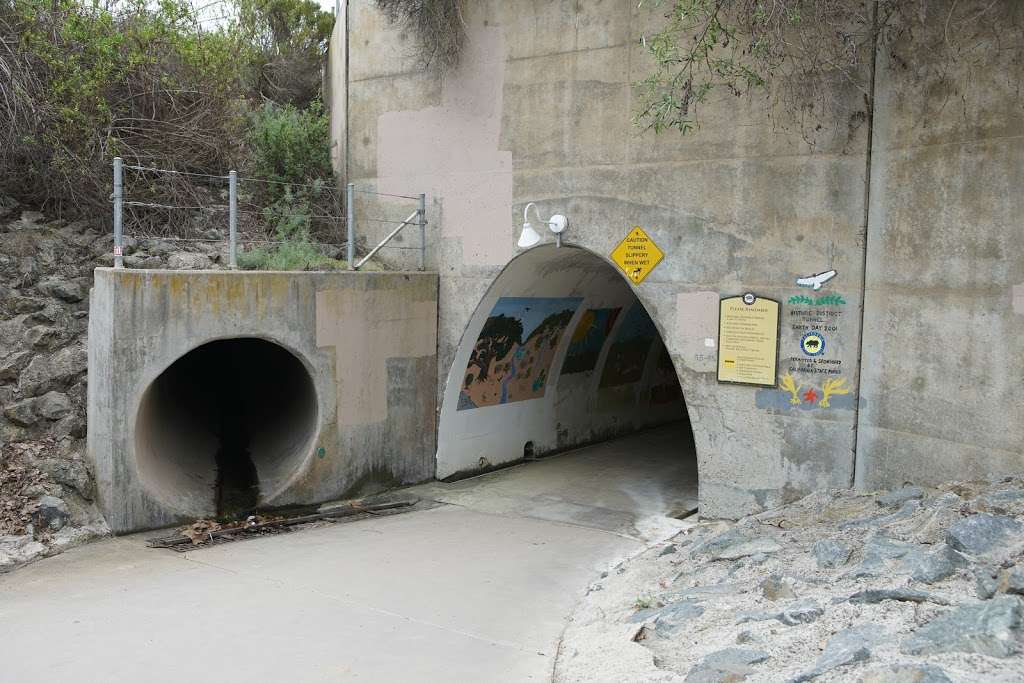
{"points": [[511, 360], [588, 339], [628, 353]]}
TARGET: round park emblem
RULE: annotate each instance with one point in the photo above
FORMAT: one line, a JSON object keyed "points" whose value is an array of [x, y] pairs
{"points": [[812, 344]]}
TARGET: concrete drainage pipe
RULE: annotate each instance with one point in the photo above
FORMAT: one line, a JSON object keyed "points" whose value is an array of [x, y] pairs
{"points": [[225, 427]]}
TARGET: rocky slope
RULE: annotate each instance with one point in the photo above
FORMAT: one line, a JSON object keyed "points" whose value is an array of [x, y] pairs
{"points": [[46, 490], [909, 586]]}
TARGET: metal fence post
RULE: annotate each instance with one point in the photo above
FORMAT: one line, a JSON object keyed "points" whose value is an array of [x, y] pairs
{"points": [[233, 219], [350, 221], [423, 231], [118, 212]]}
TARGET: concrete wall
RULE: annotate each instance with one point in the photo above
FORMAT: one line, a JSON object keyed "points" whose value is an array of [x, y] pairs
{"points": [[571, 408], [540, 110], [336, 90], [944, 318], [367, 340]]}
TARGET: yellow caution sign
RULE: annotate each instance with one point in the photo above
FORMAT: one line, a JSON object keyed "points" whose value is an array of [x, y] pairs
{"points": [[637, 255]]}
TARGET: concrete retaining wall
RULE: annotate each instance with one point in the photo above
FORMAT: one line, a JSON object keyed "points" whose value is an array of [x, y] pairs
{"points": [[366, 340], [540, 110]]}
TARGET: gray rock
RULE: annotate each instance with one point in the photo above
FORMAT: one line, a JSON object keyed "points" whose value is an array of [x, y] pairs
{"points": [[726, 666], [989, 581], [934, 566], [1001, 502], [1013, 582], [734, 544], [12, 365], [41, 336], [70, 292], [907, 673], [982, 533], [15, 550], [878, 551], [747, 548], [69, 472], [45, 373], [670, 549], [183, 260], [719, 542], [873, 596], [906, 511], [830, 554], [24, 304], [986, 582], [989, 628], [53, 405], [670, 618], [143, 262], [22, 412], [799, 612], [847, 647], [50, 513], [897, 497], [778, 588]]}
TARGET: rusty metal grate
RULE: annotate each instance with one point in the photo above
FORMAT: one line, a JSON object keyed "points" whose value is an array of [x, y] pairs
{"points": [[181, 543]]}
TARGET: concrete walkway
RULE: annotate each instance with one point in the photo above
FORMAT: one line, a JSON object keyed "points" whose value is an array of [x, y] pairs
{"points": [[458, 592]]}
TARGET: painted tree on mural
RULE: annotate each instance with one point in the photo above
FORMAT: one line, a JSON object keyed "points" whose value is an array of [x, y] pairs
{"points": [[499, 334]]}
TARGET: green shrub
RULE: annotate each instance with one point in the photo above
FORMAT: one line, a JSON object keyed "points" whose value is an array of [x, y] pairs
{"points": [[289, 255], [288, 145]]}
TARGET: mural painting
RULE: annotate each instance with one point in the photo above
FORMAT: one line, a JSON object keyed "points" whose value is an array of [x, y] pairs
{"points": [[511, 360], [628, 353], [665, 385], [588, 339]]}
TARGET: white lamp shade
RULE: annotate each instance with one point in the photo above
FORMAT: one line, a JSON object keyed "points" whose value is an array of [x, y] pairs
{"points": [[529, 237]]}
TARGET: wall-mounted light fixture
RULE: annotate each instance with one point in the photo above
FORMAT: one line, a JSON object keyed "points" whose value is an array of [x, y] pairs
{"points": [[530, 237]]}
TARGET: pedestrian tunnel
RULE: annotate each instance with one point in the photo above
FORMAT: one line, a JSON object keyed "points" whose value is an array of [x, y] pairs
{"points": [[559, 354]]}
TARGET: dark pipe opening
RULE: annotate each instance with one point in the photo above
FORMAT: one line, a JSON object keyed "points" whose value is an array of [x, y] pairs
{"points": [[225, 425]]}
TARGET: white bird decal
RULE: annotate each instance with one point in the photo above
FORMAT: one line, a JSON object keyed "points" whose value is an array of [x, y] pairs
{"points": [[816, 281]]}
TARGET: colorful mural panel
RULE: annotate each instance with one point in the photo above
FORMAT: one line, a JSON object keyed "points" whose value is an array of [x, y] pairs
{"points": [[588, 339], [628, 353], [511, 360]]}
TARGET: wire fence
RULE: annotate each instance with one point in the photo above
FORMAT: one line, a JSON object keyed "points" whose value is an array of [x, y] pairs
{"points": [[146, 197]]}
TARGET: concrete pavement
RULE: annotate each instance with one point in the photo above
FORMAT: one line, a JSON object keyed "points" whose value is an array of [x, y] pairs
{"points": [[450, 593]]}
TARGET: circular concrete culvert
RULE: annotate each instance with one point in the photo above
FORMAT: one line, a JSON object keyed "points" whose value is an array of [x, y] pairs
{"points": [[225, 427]]}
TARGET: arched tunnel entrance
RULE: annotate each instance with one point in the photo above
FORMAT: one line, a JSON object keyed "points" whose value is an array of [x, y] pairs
{"points": [[225, 426], [559, 355]]}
